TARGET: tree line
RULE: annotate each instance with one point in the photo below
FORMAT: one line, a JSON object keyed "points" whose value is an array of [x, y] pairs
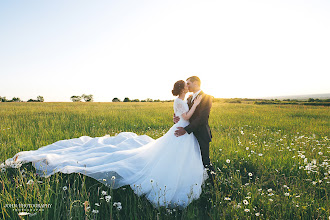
{"points": [[17, 99], [126, 99]]}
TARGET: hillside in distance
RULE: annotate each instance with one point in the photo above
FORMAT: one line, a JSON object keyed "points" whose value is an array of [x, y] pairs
{"points": [[301, 97]]}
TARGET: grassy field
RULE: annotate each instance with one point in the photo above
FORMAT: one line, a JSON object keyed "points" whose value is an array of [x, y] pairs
{"points": [[272, 162]]}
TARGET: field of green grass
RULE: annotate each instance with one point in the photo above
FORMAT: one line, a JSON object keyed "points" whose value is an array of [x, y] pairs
{"points": [[272, 162]]}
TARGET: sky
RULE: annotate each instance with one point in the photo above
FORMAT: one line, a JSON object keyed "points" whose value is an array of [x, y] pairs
{"points": [[139, 49]]}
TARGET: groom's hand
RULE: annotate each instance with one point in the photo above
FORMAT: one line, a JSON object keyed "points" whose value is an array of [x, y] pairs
{"points": [[180, 131], [176, 119]]}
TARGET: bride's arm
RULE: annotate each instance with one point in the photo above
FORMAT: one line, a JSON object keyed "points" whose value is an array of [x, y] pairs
{"points": [[187, 115]]}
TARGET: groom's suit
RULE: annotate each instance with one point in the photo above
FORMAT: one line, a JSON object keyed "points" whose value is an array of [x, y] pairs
{"points": [[200, 127]]}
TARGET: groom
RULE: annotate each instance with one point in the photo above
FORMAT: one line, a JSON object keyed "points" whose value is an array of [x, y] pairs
{"points": [[199, 122]]}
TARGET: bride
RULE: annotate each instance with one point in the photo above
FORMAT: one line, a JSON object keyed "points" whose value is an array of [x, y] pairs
{"points": [[168, 171]]}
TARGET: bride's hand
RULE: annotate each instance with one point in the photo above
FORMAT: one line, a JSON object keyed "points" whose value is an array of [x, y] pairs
{"points": [[198, 100]]}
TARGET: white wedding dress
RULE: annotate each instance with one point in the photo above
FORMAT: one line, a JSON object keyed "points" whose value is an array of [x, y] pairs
{"points": [[168, 171]]}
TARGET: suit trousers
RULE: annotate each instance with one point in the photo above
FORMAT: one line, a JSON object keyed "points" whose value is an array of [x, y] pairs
{"points": [[205, 152]]}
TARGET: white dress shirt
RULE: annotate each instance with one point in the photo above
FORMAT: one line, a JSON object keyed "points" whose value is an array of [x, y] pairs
{"points": [[195, 94]]}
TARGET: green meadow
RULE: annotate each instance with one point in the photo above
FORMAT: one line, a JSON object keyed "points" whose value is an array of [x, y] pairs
{"points": [[272, 161]]}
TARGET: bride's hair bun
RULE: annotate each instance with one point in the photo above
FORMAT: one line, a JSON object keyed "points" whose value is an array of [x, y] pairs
{"points": [[178, 87]]}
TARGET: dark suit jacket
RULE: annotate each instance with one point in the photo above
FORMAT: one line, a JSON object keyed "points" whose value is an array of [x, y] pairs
{"points": [[199, 121]]}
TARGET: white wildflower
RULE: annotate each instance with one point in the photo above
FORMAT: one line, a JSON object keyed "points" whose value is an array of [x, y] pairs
{"points": [[65, 188], [246, 210], [286, 194], [30, 182], [250, 174], [95, 211], [107, 198], [104, 193], [23, 213], [245, 202], [228, 161], [227, 198]]}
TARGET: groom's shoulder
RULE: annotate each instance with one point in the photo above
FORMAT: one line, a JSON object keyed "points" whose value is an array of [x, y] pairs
{"points": [[207, 96]]}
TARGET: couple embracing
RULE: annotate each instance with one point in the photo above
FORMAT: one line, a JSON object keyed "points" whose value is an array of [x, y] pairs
{"points": [[168, 171]]}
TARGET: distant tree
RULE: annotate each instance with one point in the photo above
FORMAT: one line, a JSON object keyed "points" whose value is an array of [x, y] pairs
{"points": [[40, 99], [16, 99], [135, 100], [31, 100], [157, 100], [75, 98], [148, 100], [3, 99], [87, 98], [126, 99], [116, 100], [311, 100]]}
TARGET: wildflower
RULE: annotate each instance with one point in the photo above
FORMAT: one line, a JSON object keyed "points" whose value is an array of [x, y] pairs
{"points": [[269, 190], [97, 204], [95, 211], [270, 194], [107, 198], [228, 161], [30, 182], [260, 155], [3, 170], [245, 202], [104, 180], [117, 204], [285, 186], [250, 174], [247, 148], [286, 194], [320, 153], [23, 213], [271, 200], [65, 188], [104, 193], [227, 198], [258, 214], [113, 177], [151, 181], [119, 208], [246, 210]]}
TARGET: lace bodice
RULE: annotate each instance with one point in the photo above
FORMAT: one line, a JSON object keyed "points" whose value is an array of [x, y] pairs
{"points": [[180, 106]]}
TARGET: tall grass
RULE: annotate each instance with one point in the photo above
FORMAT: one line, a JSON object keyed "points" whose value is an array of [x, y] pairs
{"points": [[272, 162]]}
